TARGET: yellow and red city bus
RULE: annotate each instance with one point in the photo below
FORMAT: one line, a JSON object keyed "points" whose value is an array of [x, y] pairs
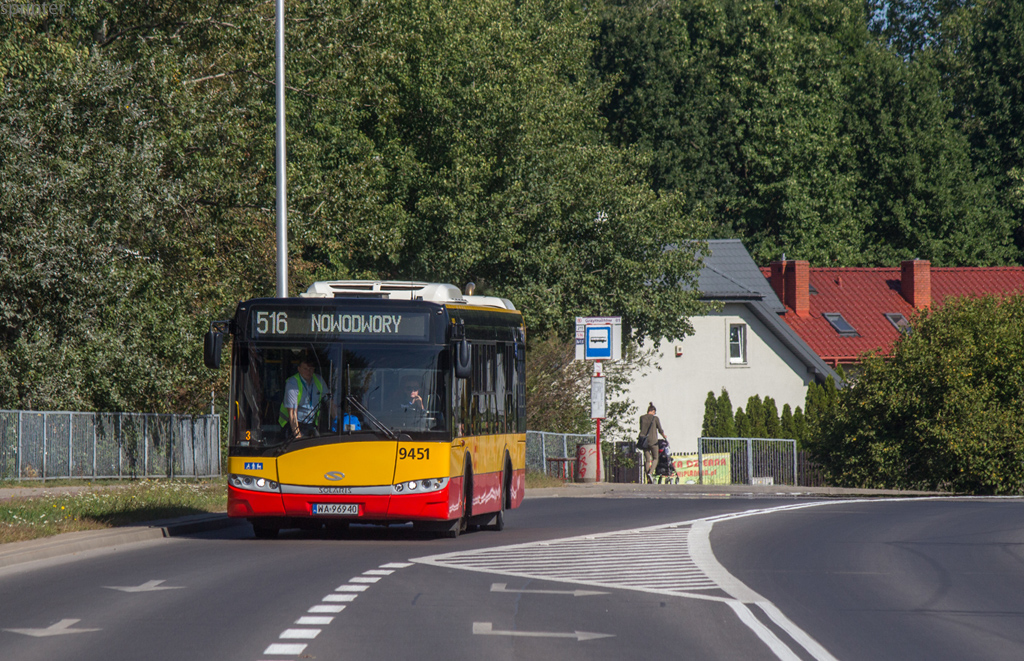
{"points": [[357, 447]]}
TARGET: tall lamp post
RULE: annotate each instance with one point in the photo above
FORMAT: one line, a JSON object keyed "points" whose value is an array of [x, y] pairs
{"points": [[282, 176]]}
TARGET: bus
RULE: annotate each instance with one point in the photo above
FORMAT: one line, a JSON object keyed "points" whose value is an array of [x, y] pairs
{"points": [[375, 402]]}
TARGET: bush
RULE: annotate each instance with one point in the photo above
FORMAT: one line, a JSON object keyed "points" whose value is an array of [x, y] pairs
{"points": [[945, 411]]}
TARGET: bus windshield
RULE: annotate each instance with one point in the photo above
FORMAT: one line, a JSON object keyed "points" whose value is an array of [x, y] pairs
{"points": [[284, 393]]}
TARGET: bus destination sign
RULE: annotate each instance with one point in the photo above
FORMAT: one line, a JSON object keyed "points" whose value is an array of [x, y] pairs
{"points": [[317, 322]]}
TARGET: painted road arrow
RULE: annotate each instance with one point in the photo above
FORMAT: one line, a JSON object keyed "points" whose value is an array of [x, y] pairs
{"points": [[503, 587], [486, 629], [149, 586], [60, 629]]}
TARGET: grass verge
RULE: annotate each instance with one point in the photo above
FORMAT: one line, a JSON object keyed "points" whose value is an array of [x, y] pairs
{"points": [[107, 507], [537, 480]]}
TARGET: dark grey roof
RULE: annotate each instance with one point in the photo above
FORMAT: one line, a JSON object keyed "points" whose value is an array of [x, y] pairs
{"points": [[730, 273]]}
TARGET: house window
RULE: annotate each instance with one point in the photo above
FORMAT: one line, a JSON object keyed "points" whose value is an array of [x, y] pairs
{"points": [[737, 344], [898, 321], [841, 325]]}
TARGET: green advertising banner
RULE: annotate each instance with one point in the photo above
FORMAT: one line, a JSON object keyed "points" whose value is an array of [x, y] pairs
{"points": [[716, 469]]}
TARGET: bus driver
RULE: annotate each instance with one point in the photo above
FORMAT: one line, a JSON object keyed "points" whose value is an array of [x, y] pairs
{"points": [[300, 410]]}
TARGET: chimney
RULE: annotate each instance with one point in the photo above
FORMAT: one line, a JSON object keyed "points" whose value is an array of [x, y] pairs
{"points": [[798, 287], [916, 282], [778, 279]]}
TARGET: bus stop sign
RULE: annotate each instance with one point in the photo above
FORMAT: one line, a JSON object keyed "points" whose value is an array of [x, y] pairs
{"points": [[598, 338]]}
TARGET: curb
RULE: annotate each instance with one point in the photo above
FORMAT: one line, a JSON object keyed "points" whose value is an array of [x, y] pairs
{"points": [[72, 543]]}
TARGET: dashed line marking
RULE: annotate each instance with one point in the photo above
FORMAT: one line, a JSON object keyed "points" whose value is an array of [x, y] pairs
{"points": [[299, 634], [330, 605], [326, 608], [284, 649]]}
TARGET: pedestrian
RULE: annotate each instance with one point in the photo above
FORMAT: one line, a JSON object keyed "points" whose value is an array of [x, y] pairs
{"points": [[650, 427]]}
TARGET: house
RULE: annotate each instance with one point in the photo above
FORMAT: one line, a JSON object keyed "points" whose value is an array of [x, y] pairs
{"points": [[745, 348], [841, 313]]}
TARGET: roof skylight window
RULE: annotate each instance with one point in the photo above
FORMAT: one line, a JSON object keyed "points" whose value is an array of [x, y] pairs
{"points": [[898, 321], [841, 325]]}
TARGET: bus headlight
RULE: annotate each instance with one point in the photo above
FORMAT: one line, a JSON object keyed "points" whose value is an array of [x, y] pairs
{"points": [[253, 483], [424, 486]]}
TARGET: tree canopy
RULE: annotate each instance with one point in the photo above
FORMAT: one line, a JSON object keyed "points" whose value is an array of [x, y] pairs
{"points": [[550, 150]]}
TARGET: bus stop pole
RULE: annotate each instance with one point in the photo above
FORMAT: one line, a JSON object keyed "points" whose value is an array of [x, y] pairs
{"points": [[597, 475]]}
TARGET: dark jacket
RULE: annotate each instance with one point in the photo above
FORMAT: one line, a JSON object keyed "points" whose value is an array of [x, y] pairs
{"points": [[648, 423]]}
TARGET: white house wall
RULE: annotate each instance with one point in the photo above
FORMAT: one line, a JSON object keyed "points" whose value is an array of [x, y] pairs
{"points": [[680, 388]]}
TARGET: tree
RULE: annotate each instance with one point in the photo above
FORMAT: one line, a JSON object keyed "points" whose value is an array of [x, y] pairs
{"points": [[945, 411], [727, 424], [756, 414], [711, 422], [771, 419], [786, 427], [744, 428]]}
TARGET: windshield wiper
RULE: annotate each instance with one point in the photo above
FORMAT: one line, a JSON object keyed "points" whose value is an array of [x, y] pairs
{"points": [[369, 417]]}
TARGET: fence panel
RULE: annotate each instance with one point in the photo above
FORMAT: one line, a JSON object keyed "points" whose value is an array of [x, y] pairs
{"points": [[542, 446], [747, 461], [40, 445]]}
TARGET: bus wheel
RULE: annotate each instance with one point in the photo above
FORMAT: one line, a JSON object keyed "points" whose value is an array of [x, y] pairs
{"points": [[262, 531]]}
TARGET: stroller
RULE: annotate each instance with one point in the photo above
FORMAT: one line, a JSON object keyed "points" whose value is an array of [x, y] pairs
{"points": [[665, 467]]}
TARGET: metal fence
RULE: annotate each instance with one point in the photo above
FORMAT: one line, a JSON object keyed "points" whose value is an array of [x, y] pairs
{"points": [[42, 445], [559, 448], [746, 461]]}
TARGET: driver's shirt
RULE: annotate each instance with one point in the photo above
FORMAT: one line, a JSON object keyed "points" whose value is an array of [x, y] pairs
{"points": [[311, 394]]}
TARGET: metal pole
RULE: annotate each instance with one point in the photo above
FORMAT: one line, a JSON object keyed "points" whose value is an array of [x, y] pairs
{"points": [[795, 480], [71, 445], [95, 423], [282, 177], [750, 462], [145, 443], [19, 446], [44, 446], [700, 460]]}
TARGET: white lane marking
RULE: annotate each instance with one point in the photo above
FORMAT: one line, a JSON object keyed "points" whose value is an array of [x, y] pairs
{"points": [[340, 597], [350, 588], [704, 557], [364, 579], [299, 634], [327, 608], [285, 649], [503, 587], [685, 566], [61, 628], [779, 648], [148, 586], [378, 572], [487, 629], [396, 565], [311, 620]]}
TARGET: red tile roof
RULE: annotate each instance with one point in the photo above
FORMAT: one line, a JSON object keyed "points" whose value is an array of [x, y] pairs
{"points": [[864, 295]]}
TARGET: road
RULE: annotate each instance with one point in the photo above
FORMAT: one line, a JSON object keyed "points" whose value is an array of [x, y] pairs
{"points": [[569, 578]]}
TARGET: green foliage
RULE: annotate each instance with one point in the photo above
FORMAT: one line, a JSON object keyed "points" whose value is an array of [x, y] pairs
{"points": [[772, 424], [744, 426], [805, 134], [710, 415], [557, 387], [944, 412], [755, 414]]}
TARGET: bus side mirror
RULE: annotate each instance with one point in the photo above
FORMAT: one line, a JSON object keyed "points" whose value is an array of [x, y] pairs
{"points": [[213, 343], [463, 359]]}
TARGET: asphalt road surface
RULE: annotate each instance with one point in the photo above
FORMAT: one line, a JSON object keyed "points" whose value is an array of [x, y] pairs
{"points": [[569, 578]]}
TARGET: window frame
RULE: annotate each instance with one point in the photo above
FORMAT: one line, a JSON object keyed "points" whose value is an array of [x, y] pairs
{"points": [[742, 344]]}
